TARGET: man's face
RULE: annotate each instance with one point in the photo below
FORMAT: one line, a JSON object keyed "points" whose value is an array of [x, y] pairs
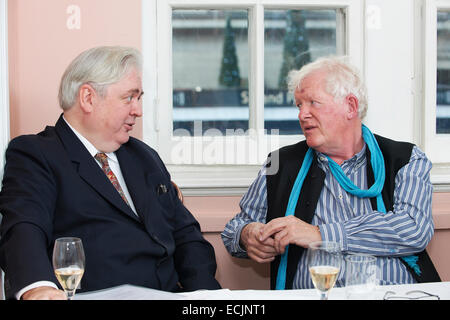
{"points": [[323, 120], [116, 113]]}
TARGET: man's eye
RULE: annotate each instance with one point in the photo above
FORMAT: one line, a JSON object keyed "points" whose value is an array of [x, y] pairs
{"points": [[129, 98]]}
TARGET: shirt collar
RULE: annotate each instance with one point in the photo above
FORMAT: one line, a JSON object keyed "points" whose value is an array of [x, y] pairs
{"points": [[88, 145], [356, 159]]}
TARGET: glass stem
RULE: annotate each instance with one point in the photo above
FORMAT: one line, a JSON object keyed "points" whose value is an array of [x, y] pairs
{"points": [[323, 295], [70, 294]]}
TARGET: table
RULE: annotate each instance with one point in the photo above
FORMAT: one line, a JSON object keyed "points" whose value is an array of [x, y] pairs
{"points": [[128, 292]]}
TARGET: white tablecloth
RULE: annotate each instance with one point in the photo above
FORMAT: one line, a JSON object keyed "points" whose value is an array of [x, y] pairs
{"points": [[128, 292]]}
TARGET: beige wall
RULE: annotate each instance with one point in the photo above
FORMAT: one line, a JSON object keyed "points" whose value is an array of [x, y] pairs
{"points": [[41, 46]]}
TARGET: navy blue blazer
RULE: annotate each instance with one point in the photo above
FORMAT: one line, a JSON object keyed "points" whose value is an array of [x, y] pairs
{"points": [[52, 187]]}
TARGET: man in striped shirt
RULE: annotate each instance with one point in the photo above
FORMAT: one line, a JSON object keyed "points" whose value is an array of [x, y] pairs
{"points": [[332, 102]]}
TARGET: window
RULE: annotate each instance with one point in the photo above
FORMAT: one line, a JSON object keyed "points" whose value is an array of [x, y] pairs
{"points": [[443, 73], [215, 75], [437, 87]]}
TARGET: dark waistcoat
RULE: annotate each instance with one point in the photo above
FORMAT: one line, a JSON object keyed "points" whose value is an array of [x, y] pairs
{"points": [[289, 160]]}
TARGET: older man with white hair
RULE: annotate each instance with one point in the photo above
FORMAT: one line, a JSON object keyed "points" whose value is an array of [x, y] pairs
{"points": [[344, 184]]}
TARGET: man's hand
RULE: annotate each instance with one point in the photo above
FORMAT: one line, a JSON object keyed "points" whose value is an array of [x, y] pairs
{"points": [[290, 229], [260, 251], [44, 293]]}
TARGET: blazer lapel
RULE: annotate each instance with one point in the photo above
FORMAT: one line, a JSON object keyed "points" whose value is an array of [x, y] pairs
{"points": [[134, 178], [88, 169]]}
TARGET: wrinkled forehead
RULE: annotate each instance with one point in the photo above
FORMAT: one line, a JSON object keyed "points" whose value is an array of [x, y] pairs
{"points": [[316, 77], [315, 81], [130, 82]]}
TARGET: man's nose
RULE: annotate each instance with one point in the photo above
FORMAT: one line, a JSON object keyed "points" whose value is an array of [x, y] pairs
{"points": [[136, 110], [303, 112]]}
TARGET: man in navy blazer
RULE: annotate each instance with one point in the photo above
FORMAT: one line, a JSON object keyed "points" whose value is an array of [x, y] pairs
{"points": [[54, 187]]}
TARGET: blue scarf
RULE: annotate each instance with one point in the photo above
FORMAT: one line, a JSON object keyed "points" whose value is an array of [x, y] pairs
{"points": [[377, 162]]}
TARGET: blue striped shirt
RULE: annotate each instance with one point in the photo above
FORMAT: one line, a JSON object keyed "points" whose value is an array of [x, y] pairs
{"points": [[352, 222]]}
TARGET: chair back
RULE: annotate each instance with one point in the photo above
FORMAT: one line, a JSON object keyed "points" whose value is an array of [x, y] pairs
{"points": [[179, 193]]}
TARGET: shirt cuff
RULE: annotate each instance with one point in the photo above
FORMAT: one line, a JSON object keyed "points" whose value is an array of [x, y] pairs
{"points": [[334, 232], [35, 285], [237, 249]]}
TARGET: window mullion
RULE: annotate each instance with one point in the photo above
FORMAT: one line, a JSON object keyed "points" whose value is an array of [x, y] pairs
{"points": [[256, 78], [430, 76], [162, 105], [151, 124], [341, 32]]}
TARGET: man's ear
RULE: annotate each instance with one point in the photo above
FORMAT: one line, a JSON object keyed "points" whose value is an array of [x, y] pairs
{"points": [[87, 97], [353, 106]]}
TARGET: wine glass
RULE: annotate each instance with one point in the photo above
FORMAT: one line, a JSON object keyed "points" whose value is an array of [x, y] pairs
{"points": [[324, 263], [68, 263]]}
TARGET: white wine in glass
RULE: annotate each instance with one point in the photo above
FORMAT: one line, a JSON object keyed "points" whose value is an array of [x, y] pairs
{"points": [[68, 263], [324, 263]]}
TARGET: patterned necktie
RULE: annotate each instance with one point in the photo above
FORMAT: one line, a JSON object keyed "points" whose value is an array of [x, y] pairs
{"points": [[103, 159]]}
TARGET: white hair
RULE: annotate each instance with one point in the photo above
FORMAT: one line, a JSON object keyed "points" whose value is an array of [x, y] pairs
{"points": [[342, 79], [99, 67]]}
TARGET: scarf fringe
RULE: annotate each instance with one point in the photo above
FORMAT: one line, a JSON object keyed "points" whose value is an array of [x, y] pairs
{"points": [[412, 262]]}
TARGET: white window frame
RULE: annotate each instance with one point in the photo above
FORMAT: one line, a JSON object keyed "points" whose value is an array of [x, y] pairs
{"points": [[435, 145], [201, 178], [4, 87]]}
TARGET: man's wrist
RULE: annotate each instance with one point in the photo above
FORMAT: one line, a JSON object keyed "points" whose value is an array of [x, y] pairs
{"points": [[35, 285], [243, 234]]}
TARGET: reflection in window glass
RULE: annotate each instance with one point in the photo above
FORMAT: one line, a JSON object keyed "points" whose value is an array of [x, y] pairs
{"points": [[443, 73], [292, 39], [210, 71]]}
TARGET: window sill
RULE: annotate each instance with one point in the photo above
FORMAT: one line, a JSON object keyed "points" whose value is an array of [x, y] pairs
{"points": [[234, 180], [203, 180], [440, 177]]}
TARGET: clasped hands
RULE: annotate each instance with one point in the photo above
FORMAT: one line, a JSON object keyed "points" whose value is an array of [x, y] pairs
{"points": [[265, 241]]}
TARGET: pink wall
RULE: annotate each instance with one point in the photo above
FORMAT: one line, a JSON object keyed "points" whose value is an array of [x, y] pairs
{"points": [[41, 46]]}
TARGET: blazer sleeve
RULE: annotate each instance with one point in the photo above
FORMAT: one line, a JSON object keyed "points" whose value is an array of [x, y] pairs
{"points": [[195, 259], [27, 201], [194, 256]]}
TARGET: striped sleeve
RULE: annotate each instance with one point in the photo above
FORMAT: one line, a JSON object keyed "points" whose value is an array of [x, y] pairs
{"points": [[405, 230], [253, 209]]}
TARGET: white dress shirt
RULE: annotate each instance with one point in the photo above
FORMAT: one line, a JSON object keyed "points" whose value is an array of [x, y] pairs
{"points": [[115, 167]]}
